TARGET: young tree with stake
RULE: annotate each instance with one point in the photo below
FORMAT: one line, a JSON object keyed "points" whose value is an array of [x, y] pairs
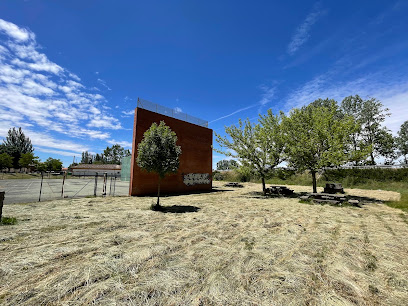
{"points": [[159, 153]]}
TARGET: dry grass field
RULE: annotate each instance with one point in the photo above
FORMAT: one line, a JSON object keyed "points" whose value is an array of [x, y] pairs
{"points": [[231, 247]]}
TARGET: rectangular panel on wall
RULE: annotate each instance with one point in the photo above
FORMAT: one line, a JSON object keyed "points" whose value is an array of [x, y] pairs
{"points": [[195, 171]]}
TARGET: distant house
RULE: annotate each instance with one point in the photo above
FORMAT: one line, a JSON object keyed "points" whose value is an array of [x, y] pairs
{"points": [[92, 169]]}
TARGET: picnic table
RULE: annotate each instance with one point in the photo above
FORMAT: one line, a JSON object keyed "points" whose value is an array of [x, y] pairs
{"points": [[333, 188], [279, 190]]}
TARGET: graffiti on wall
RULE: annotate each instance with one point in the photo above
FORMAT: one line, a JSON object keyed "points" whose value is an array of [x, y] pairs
{"points": [[191, 179]]}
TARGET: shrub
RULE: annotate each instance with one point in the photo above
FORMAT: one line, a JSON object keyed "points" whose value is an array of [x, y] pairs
{"points": [[8, 221]]}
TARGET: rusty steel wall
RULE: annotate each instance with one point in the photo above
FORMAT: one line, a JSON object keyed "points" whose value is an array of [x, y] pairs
{"points": [[195, 171]]}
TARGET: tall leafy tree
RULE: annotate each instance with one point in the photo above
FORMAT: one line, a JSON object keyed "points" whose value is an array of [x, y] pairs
{"points": [[402, 141], [258, 147], [53, 164], [316, 137], [227, 164], [6, 161], [370, 114], [159, 153], [27, 159], [16, 144], [87, 158]]}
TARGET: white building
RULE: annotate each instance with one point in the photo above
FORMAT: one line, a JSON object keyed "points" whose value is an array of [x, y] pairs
{"points": [[92, 169]]}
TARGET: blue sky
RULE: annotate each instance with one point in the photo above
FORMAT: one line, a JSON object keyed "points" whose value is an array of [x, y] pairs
{"points": [[71, 71]]}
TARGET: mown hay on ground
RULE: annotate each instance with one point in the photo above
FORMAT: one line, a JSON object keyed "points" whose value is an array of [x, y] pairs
{"points": [[229, 247]]}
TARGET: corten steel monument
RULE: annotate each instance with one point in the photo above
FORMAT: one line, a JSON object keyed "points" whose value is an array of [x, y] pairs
{"points": [[195, 139]]}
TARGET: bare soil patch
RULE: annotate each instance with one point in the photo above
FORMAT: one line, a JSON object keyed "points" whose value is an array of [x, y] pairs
{"points": [[232, 248]]}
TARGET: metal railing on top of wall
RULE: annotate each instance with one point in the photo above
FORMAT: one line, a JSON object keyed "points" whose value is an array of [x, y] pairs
{"points": [[174, 113]]}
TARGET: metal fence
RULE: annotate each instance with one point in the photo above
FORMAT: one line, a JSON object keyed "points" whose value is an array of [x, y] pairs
{"points": [[174, 113], [46, 188]]}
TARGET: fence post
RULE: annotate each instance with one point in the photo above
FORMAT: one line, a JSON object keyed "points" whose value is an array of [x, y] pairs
{"points": [[42, 177], [114, 186], [110, 187], [105, 176], [96, 183], [2, 193], [63, 182]]}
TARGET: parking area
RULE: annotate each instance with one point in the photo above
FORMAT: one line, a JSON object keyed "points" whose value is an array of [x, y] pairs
{"points": [[28, 190]]}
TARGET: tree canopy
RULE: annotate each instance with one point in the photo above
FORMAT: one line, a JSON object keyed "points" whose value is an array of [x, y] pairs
{"points": [[258, 147], [316, 137], [227, 164], [159, 153], [111, 155], [27, 159], [370, 136], [402, 141], [6, 161], [15, 144], [52, 164]]}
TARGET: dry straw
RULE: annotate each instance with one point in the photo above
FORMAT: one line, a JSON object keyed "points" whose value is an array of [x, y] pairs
{"points": [[238, 248]]}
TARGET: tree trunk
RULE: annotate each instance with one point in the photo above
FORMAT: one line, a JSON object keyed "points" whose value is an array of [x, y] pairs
{"points": [[314, 181], [372, 158], [157, 206], [263, 186]]}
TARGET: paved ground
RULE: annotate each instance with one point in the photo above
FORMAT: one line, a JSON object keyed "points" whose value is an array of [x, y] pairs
{"points": [[28, 190]]}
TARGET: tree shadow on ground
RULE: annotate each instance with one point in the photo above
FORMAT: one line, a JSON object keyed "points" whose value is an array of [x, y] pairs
{"points": [[179, 209], [260, 195]]}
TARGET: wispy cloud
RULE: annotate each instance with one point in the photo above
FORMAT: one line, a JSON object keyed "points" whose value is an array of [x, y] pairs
{"points": [[266, 97], [178, 110], [103, 83], [302, 33], [390, 88], [128, 113], [38, 94], [125, 144]]}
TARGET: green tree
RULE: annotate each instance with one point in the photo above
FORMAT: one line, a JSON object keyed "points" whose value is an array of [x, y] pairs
{"points": [[27, 159], [53, 164], [6, 161], [385, 145], [114, 154], [402, 141], [316, 137], [159, 153], [16, 143], [258, 147], [358, 148], [227, 164], [86, 158], [370, 114]]}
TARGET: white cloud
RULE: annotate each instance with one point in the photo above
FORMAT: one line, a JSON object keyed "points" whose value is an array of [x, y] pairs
{"points": [[266, 97], [58, 152], [123, 143], [302, 32], [103, 83], [38, 94], [178, 110], [390, 89], [11, 30], [128, 113]]}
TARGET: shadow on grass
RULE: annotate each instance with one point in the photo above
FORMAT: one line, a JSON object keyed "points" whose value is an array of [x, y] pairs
{"points": [[260, 195], [179, 209]]}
